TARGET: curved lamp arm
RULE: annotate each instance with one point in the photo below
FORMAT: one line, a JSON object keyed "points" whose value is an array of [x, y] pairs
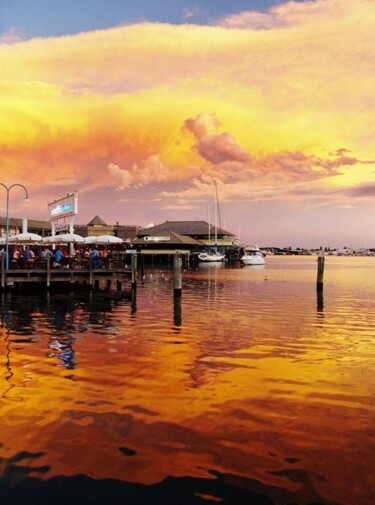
{"points": [[7, 189]]}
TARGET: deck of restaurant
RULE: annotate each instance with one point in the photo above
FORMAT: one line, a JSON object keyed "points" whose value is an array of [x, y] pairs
{"points": [[75, 270]]}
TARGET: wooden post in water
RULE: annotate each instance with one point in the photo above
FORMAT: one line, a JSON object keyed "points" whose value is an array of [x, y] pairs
{"points": [[134, 270], [141, 259], [3, 270], [320, 274], [134, 300], [48, 267], [177, 319], [177, 262], [90, 272]]}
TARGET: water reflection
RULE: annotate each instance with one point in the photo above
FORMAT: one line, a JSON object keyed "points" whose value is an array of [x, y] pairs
{"points": [[177, 311], [319, 300], [261, 398]]}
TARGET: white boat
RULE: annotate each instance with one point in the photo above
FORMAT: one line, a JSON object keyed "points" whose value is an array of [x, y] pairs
{"points": [[253, 256], [211, 256]]}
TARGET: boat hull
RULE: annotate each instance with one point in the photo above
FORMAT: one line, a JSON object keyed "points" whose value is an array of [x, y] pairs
{"points": [[253, 259], [209, 258]]}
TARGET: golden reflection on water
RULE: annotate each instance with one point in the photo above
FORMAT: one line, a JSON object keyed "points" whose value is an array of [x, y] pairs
{"points": [[251, 373]]}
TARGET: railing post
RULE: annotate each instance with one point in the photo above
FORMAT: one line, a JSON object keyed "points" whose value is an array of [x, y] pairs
{"points": [[90, 272], [48, 267]]}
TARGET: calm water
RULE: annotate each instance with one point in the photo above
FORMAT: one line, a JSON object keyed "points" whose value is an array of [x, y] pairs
{"points": [[250, 390]]}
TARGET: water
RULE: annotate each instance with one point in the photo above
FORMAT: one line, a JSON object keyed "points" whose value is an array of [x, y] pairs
{"points": [[250, 389]]}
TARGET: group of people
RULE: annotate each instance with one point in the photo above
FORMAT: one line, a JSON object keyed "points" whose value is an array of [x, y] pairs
{"points": [[58, 258], [27, 255]]}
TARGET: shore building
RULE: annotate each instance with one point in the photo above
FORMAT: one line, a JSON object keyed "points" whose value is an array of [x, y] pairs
{"points": [[188, 237]]}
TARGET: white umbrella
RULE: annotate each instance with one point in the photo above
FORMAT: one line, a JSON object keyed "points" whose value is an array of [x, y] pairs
{"points": [[51, 239], [108, 239], [64, 238], [70, 237], [25, 237], [90, 239]]}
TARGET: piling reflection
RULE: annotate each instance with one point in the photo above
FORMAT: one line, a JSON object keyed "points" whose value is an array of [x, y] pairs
{"points": [[177, 310], [319, 300]]}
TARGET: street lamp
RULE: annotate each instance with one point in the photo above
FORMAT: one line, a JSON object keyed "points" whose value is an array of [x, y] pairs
{"points": [[7, 189]]}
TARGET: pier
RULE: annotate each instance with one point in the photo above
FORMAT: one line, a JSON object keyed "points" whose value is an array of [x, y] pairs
{"points": [[117, 270]]}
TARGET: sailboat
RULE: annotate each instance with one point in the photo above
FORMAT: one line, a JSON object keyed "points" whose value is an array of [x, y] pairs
{"points": [[211, 255]]}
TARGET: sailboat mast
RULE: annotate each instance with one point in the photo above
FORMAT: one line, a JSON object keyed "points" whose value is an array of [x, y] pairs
{"points": [[215, 226], [217, 202], [209, 225]]}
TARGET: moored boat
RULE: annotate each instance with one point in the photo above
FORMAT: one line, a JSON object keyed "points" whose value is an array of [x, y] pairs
{"points": [[211, 256], [253, 256]]}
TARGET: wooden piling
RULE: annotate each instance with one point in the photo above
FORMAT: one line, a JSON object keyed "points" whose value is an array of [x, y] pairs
{"points": [[91, 277], [3, 270], [48, 267], [134, 300], [134, 269], [177, 263], [320, 273], [177, 319], [141, 260]]}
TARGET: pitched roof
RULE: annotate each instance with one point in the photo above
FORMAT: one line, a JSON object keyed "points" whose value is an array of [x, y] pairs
{"points": [[184, 228], [97, 220], [169, 237], [31, 223]]}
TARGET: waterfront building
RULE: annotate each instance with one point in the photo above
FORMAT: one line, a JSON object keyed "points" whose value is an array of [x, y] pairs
{"points": [[96, 227], [165, 244], [200, 231], [16, 225]]}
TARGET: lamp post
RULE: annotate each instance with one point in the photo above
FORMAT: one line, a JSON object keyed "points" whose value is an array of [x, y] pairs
{"points": [[7, 189]]}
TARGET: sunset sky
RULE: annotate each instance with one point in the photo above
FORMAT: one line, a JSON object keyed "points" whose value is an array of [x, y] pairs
{"points": [[140, 106]]}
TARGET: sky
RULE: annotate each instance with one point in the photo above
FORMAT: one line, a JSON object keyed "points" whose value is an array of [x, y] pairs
{"points": [[144, 107]]}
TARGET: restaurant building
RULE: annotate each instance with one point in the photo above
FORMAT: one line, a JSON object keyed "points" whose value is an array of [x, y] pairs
{"points": [[95, 227], [201, 231]]}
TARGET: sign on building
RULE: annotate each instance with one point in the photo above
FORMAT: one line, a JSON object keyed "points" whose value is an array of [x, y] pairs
{"points": [[64, 207], [156, 239], [62, 211]]}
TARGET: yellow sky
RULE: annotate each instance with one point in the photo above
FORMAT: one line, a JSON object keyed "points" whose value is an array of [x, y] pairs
{"points": [[264, 102]]}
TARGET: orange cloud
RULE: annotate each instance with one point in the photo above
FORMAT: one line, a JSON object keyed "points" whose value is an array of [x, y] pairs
{"points": [[263, 99]]}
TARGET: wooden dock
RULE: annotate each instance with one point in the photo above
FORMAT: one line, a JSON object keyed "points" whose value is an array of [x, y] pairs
{"points": [[114, 271]]}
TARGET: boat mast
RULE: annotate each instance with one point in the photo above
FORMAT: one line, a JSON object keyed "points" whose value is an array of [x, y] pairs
{"points": [[215, 227], [217, 201], [209, 226]]}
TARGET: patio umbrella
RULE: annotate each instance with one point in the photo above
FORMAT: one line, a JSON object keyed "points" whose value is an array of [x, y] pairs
{"points": [[25, 237], [64, 238], [51, 239], [91, 239], [71, 238], [108, 239]]}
